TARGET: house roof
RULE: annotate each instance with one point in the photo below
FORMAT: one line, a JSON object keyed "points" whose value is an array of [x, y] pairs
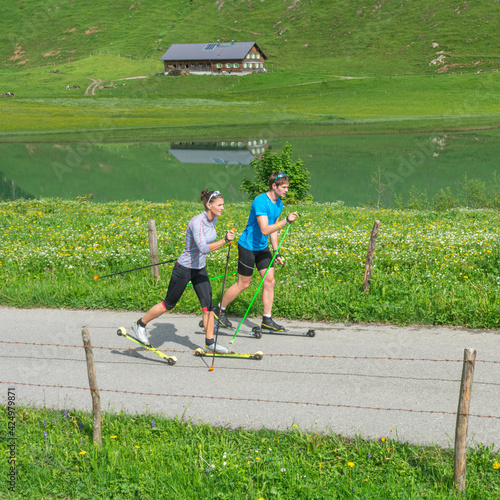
{"points": [[209, 51]]}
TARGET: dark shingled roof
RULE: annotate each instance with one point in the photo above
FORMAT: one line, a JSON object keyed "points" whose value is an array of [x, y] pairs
{"points": [[209, 51]]}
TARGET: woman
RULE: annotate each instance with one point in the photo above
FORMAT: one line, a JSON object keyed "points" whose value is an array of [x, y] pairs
{"points": [[190, 266]]}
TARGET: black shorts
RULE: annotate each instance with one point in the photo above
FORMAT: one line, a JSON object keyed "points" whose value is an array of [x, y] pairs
{"points": [[247, 259], [181, 276]]}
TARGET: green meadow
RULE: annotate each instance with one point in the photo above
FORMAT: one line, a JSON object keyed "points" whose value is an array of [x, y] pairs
{"points": [[429, 268], [270, 105], [150, 457], [334, 68]]}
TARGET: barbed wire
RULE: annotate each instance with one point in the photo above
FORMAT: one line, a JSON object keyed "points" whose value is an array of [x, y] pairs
{"points": [[330, 356], [250, 400], [159, 363]]}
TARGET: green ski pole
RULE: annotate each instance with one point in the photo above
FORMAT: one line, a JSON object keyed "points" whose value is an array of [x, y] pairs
{"points": [[216, 277], [260, 285]]}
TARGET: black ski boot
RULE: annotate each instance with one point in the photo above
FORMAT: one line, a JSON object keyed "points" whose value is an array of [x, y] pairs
{"points": [[269, 325], [220, 317]]}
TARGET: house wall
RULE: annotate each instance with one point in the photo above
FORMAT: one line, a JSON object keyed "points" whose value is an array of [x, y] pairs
{"points": [[253, 62]]}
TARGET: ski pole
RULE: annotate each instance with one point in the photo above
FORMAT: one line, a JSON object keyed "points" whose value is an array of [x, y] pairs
{"points": [[135, 269], [215, 277], [222, 295], [260, 285]]}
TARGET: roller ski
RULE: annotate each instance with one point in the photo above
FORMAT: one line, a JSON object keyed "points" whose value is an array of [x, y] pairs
{"points": [[230, 354], [171, 360], [269, 326], [292, 333]]}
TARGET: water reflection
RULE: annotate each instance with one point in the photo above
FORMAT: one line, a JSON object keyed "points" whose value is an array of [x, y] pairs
{"points": [[358, 170], [219, 152]]}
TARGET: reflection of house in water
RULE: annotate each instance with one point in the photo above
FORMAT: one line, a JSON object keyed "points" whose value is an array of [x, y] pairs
{"points": [[220, 152]]}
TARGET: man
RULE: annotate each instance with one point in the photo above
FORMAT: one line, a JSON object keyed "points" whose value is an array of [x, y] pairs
{"points": [[253, 249]]}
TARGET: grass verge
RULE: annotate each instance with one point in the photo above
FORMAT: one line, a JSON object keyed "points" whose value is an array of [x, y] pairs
{"points": [[150, 457]]}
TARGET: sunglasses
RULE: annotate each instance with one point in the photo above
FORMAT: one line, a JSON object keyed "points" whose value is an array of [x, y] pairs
{"points": [[215, 193], [281, 174]]}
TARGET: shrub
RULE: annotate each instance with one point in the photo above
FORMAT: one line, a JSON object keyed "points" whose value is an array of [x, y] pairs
{"points": [[279, 162], [444, 200]]}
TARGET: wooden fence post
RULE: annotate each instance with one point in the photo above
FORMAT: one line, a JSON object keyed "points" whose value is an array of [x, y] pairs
{"points": [[463, 418], [369, 257], [153, 249], [94, 390]]}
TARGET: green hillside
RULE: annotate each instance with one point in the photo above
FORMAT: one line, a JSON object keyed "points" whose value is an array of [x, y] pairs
{"points": [[335, 67], [339, 36]]}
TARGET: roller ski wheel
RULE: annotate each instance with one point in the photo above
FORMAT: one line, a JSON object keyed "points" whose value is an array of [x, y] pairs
{"points": [[257, 332]]}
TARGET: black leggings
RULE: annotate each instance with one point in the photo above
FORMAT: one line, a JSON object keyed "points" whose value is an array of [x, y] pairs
{"points": [[181, 276]]}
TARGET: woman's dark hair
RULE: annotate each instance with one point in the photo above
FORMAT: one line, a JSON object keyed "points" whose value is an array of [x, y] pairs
{"points": [[209, 196]]}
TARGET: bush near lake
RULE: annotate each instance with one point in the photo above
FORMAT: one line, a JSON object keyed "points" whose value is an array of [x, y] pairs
{"points": [[279, 162], [439, 268], [150, 457]]}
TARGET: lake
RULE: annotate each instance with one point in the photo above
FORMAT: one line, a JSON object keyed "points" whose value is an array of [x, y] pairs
{"points": [[354, 169]]}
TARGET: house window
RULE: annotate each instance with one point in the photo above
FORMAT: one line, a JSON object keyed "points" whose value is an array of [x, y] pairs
{"points": [[228, 65], [218, 65], [253, 56], [236, 65], [245, 65]]}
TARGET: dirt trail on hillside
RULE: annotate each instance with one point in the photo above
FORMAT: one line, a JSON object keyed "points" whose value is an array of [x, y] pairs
{"points": [[96, 82]]}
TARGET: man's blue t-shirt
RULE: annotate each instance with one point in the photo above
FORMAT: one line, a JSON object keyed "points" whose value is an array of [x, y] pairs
{"points": [[252, 237]]}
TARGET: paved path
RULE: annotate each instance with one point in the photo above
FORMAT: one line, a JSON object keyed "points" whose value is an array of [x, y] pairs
{"points": [[323, 383]]}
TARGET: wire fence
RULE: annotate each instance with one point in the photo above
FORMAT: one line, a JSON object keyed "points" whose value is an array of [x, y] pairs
{"points": [[248, 400], [332, 356], [258, 400]]}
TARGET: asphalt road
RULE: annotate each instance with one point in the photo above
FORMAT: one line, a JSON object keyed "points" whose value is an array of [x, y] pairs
{"points": [[338, 381]]}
